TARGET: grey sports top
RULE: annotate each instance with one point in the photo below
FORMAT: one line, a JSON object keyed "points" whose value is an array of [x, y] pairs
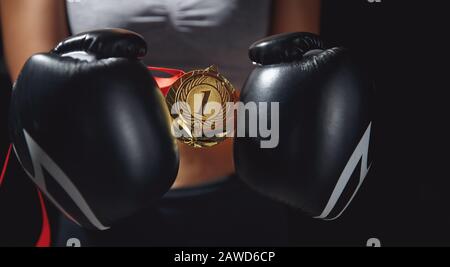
{"points": [[185, 34]]}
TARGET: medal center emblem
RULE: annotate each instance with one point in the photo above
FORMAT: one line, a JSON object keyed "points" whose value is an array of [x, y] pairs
{"points": [[200, 107]]}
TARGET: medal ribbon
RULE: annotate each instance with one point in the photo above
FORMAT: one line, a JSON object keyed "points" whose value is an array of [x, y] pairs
{"points": [[164, 83], [44, 237]]}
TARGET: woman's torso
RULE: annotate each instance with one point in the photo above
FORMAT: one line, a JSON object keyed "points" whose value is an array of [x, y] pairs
{"points": [[189, 34], [186, 34]]}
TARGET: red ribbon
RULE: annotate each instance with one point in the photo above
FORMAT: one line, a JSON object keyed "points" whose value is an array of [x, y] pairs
{"points": [[45, 236], [5, 165], [165, 83]]}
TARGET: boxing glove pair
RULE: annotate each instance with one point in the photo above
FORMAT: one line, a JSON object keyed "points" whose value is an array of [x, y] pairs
{"points": [[91, 128]]}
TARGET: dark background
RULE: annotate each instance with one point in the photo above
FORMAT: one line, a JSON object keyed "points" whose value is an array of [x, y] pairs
{"points": [[405, 199]]}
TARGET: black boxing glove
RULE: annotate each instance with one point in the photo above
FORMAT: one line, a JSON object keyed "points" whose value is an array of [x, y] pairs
{"points": [[325, 119], [91, 128]]}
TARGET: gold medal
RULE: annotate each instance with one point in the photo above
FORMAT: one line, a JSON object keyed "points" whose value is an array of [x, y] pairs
{"points": [[201, 105]]}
